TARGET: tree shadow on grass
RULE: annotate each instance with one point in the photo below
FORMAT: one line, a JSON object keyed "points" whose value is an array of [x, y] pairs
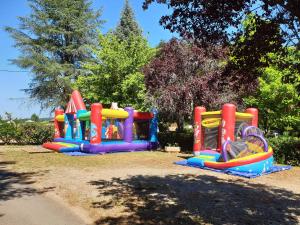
{"points": [[17, 184], [189, 199]]}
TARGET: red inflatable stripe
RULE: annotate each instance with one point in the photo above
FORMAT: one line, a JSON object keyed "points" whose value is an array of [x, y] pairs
{"points": [[142, 115]]}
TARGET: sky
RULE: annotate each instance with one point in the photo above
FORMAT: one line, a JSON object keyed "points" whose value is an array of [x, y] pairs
{"points": [[12, 97]]}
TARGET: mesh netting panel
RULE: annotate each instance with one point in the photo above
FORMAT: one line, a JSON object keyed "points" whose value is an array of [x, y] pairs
{"points": [[112, 129], [239, 127], [87, 126], [141, 130], [256, 144], [211, 138], [250, 145]]}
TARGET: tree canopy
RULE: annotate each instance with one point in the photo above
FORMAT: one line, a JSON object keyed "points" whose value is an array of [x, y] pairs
{"points": [[54, 41], [277, 99], [249, 53], [183, 75], [253, 43], [217, 22]]}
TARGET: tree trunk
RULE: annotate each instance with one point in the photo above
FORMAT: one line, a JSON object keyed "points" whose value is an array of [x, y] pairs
{"points": [[180, 124]]}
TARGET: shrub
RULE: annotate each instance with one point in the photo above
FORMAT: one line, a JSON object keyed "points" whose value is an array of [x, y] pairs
{"points": [[7, 131], [34, 133], [286, 149], [183, 140]]}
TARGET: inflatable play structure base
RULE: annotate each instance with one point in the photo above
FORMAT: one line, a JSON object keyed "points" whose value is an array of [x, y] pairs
{"points": [[272, 169], [102, 130], [256, 163], [62, 146]]}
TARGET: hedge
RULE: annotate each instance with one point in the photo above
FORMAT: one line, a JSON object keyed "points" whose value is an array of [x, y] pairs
{"points": [[183, 140], [34, 133], [7, 132], [286, 149], [25, 133]]}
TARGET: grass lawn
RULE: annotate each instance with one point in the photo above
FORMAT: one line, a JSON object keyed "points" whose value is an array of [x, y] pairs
{"points": [[147, 188]]}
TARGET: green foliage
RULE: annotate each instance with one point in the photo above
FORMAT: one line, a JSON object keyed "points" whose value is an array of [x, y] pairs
{"points": [[116, 74], [127, 25], [15, 132], [54, 41], [257, 38], [34, 133], [184, 140], [217, 22], [286, 150], [278, 100], [34, 117], [7, 131]]}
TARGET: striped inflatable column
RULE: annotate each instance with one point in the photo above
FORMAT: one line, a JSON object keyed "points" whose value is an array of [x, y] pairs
{"points": [[228, 122], [254, 112], [57, 126], [198, 134], [96, 123]]}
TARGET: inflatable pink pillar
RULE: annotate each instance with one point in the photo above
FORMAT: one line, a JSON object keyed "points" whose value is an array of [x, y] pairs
{"points": [[96, 123], [228, 122], [198, 134], [254, 112]]}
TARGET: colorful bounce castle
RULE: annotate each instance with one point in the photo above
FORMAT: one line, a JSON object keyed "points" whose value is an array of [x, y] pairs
{"points": [[102, 130], [230, 140]]}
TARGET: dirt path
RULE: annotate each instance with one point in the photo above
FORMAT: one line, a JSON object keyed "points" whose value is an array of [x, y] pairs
{"points": [[147, 188], [36, 210], [22, 203]]}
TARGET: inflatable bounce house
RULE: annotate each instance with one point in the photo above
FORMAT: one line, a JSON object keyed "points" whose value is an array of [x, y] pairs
{"points": [[102, 130], [230, 142]]}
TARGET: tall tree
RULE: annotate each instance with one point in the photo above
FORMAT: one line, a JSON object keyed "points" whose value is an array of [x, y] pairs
{"points": [[182, 76], [54, 41], [127, 25], [116, 74]]}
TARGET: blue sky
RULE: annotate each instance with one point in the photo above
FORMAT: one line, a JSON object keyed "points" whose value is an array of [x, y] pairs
{"points": [[12, 98]]}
